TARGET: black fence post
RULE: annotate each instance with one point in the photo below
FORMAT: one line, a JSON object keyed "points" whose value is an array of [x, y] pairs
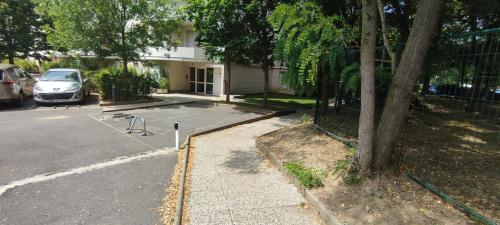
{"points": [[317, 113]]}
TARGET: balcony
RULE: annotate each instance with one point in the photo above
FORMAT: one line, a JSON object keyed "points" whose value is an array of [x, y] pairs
{"points": [[179, 53]]}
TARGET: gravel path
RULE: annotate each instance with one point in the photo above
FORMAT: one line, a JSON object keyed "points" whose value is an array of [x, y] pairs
{"points": [[231, 184]]}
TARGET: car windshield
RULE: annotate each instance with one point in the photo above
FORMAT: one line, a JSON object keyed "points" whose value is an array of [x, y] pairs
{"points": [[61, 76]]}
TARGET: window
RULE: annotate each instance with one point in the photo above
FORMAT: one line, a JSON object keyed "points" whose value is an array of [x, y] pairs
{"points": [[61, 76], [201, 80], [1, 74], [210, 81], [210, 75], [13, 73], [192, 79], [201, 75], [20, 72], [190, 38]]}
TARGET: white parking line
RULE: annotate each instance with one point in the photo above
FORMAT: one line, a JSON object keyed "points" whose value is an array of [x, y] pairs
{"points": [[120, 131], [86, 169]]}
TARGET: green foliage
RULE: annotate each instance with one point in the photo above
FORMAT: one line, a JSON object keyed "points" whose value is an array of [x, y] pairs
{"points": [[163, 83], [260, 32], [340, 166], [306, 176], [351, 79], [220, 29], [20, 28], [27, 65], [123, 28], [85, 64], [306, 118], [352, 179], [305, 39], [133, 86]]}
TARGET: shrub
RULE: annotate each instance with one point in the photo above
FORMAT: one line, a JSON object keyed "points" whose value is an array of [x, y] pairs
{"points": [[28, 66], [163, 83], [49, 65], [306, 176], [133, 86]]}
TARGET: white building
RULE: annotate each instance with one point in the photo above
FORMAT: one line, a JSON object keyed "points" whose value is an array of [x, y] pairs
{"points": [[188, 70]]}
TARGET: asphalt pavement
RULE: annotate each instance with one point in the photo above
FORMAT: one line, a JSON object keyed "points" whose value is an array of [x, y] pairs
{"points": [[77, 165]]}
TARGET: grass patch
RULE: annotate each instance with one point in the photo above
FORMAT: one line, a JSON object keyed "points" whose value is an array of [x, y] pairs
{"points": [[352, 179], [340, 165], [306, 118], [283, 100], [307, 177]]}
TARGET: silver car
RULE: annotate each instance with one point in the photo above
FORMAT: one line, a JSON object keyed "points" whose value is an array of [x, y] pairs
{"points": [[15, 84], [61, 86]]}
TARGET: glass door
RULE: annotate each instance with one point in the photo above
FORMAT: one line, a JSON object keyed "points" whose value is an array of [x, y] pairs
{"points": [[210, 81], [192, 79], [200, 80]]}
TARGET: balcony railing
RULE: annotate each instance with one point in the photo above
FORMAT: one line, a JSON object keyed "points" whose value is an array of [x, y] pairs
{"points": [[179, 53]]}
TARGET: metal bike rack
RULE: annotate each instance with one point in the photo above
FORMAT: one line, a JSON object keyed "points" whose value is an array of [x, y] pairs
{"points": [[131, 122]]}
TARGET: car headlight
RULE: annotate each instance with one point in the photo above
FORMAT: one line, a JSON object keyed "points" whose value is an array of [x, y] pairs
{"points": [[74, 87], [38, 88]]}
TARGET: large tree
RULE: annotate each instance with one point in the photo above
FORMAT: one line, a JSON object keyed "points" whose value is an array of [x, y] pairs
{"points": [[261, 47], [403, 84], [367, 69], [20, 29], [123, 28], [221, 31]]}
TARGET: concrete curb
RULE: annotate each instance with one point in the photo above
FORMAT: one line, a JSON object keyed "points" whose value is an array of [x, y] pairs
{"points": [[268, 116], [318, 206], [150, 106], [187, 144], [110, 103], [180, 195]]}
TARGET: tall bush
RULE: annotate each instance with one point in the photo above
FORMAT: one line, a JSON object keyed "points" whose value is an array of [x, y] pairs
{"points": [[126, 87]]}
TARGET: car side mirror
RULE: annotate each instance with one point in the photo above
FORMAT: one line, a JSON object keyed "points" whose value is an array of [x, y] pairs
{"points": [[85, 80], [37, 79]]}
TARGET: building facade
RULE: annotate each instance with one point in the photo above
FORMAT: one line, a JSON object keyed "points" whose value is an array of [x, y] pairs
{"points": [[188, 70]]}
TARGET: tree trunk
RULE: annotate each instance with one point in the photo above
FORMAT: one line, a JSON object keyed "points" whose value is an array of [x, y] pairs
{"points": [[11, 56], [125, 66], [390, 51], [317, 114], [403, 84], [10, 51], [227, 70], [266, 86], [367, 68], [325, 72]]}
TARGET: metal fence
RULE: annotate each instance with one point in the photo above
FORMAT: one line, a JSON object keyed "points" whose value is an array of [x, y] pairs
{"points": [[452, 135], [461, 76]]}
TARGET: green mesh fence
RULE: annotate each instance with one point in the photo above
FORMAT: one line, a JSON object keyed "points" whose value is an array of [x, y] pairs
{"points": [[452, 135]]}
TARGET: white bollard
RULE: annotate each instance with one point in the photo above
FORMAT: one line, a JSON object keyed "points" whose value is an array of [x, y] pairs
{"points": [[176, 126]]}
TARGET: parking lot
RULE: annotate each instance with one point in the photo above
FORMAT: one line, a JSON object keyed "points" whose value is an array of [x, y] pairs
{"points": [[76, 165]]}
